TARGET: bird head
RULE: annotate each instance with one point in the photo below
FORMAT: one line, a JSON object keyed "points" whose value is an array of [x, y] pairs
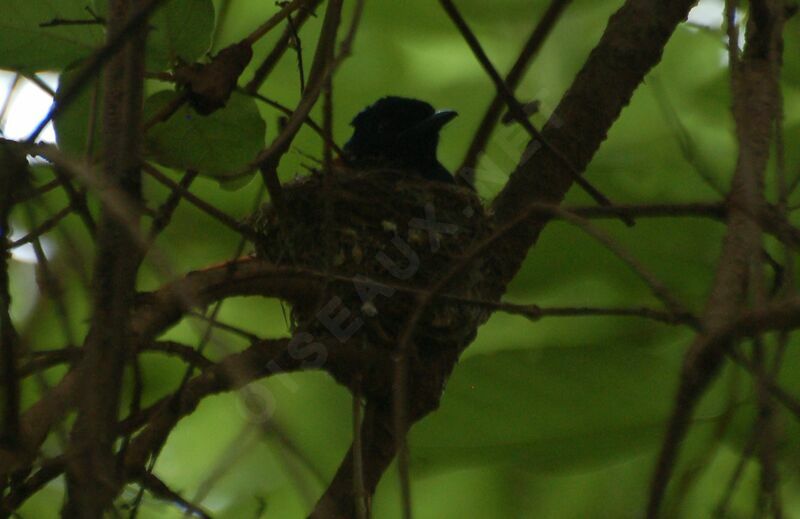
{"points": [[399, 132]]}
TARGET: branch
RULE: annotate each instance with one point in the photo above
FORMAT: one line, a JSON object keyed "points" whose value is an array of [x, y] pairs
{"points": [[755, 91], [92, 477], [164, 213], [77, 200], [50, 469], [515, 108], [43, 228], [40, 360], [31, 192], [378, 445], [320, 69], [96, 62], [265, 358], [14, 175], [515, 75], [288, 112], [279, 49], [631, 45], [160, 490], [213, 212], [37, 422], [156, 311], [274, 21]]}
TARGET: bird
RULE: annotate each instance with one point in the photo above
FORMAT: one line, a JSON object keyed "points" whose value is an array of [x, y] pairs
{"points": [[401, 133]]}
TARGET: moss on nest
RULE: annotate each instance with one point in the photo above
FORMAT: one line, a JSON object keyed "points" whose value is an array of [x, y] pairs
{"points": [[390, 228]]}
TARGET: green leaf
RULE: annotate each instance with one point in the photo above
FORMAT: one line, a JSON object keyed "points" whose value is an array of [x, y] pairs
{"points": [[234, 184], [26, 46], [217, 145], [549, 409], [180, 30]]}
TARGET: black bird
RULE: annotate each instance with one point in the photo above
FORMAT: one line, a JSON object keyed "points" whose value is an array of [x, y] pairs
{"points": [[401, 133]]}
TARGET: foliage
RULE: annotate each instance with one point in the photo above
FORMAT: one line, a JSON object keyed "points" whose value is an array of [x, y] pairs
{"points": [[561, 417]]}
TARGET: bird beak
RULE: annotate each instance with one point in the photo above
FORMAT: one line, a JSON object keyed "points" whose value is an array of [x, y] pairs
{"points": [[434, 123]]}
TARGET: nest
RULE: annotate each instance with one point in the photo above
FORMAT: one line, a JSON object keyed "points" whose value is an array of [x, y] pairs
{"points": [[371, 230]]}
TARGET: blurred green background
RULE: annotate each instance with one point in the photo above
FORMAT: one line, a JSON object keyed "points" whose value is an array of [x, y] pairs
{"points": [[557, 418]]}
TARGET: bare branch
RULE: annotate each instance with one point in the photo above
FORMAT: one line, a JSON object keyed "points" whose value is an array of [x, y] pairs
{"points": [[755, 90], [14, 176], [529, 51], [160, 490], [97, 61], [269, 160], [516, 109], [631, 45], [270, 24], [92, 477], [269, 62], [43, 228], [201, 204]]}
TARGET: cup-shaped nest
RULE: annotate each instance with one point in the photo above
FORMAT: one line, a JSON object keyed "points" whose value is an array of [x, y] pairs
{"points": [[378, 239]]}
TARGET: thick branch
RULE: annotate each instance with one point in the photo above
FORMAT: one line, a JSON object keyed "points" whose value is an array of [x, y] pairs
{"points": [[378, 446], [631, 45], [320, 70], [92, 481], [157, 311], [235, 371], [14, 176]]}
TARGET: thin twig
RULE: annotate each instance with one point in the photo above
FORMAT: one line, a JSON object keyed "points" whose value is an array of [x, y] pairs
{"points": [[207, 333], [48, 471], [165, 112], [360, 493], [277, 18], [298, 49], [14, 174], [39, 82], [35, 192], [233, 372], [515, 108], [293, 456], [492, 115], [216, 323], [77, 200], [732, 31], [269, 160], [309, 121], [269, 62], [165, 211], [201, 204], [161, 491], [685, 141], [50, 288], [43, 228], [60, 22], [755, 85], [6, 104], [240, 446], [721, 510], [656, 286]]}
